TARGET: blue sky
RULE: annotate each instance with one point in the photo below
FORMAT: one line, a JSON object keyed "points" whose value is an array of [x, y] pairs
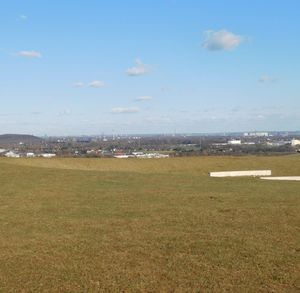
{"points": [[92, 67]]}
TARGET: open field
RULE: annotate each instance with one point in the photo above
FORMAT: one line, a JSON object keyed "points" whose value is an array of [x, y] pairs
{"points": [[89, 225]]}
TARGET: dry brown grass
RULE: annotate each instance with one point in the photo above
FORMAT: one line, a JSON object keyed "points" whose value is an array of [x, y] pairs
{"points": [[88, 225]]}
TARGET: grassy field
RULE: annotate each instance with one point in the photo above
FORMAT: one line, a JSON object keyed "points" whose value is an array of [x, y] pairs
{"points": [[108, 225]]}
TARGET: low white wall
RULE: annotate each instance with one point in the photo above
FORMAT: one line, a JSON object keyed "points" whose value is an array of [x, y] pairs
{"points": [[241, 173], [283, 178]]}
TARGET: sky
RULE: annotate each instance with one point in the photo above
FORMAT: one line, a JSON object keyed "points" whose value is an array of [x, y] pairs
{"points": [[89, 67]]}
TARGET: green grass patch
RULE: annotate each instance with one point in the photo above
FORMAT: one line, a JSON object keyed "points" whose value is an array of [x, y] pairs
{"points": [[161, 225]]}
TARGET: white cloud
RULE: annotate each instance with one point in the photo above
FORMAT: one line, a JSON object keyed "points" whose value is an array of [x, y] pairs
{"points": [[139, 69], [23, 17], [143, 98], [30, 54], [221, 40], [97, 84], [94, 84], [129, 110], [78, 84], [266, 79]]}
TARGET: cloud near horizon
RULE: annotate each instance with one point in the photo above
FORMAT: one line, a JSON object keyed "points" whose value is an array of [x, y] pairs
{"points": [[221, 40], [267, 79], [124, 110], [143, 98], [30, 54], [139, 69]]}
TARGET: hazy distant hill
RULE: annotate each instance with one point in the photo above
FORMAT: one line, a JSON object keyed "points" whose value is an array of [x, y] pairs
{"points": [[17, 138]]}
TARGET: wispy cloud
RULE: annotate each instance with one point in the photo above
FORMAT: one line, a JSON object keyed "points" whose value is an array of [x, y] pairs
{"points": [[78, 84], [139, 69], [94, 84], [29, 54], [97, 84], [23, 17], [143, 98], [122, 110], [267, 79], [221, 40]]}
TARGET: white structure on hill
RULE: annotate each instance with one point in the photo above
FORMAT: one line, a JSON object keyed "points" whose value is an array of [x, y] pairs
{"points": [[295, 142]]}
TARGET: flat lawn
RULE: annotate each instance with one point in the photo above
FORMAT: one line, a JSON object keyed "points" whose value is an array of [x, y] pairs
{"points": [[156, 225]]}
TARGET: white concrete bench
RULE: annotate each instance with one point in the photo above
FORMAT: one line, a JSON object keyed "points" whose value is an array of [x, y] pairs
{"points": [[241, 173], [282, 178]]}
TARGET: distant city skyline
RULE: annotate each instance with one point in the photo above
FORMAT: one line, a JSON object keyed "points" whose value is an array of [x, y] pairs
{"points": [[158, 66]]}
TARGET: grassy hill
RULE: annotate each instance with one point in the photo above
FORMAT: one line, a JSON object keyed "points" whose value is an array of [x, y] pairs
{"points": [[17, 138], [88, 225]]}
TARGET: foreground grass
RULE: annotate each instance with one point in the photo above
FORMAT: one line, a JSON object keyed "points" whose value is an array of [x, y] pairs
{"points": [[86, 225]]}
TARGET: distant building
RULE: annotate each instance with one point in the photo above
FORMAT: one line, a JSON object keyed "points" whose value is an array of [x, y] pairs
{"points": [[84, 139], [152, 156], [249, 143], [12, 154], [121, 156], [89, 152], [257, 134], [48, 155], [137, 153], [141, 155], [295, 142], [277, 143], [235, 142]]}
